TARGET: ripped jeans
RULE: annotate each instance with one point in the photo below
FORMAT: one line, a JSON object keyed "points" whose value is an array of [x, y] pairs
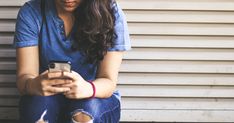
{"points": [[59, 109]]}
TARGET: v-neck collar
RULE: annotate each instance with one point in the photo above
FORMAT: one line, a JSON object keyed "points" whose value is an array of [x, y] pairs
{"points": [[60, 23]]}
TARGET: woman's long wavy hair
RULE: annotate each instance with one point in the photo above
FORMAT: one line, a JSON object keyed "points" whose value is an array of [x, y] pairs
{"points": [[95, 32]]}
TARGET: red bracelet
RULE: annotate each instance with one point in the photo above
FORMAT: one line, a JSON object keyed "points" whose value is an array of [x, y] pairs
{"points": [[94, 89]]}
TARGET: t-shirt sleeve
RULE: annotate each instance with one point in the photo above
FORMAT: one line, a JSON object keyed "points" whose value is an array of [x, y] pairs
{"points": [[26, 29], [122, 40]]}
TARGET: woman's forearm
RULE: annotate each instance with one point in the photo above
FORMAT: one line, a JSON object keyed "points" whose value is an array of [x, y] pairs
{"points": [[104, 87]]}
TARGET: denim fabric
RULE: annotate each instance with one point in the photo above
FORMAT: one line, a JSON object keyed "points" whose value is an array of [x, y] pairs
{"points": [[58, 109]]}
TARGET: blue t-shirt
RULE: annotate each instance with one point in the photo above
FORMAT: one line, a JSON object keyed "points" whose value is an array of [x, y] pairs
{"points": [[54, 44]]}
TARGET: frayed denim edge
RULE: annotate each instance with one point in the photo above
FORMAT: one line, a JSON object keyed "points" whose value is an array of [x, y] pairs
{"points": [[82, 111]]}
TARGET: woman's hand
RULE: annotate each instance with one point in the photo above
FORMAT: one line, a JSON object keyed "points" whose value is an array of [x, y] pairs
{"points": [[47, 84], [80, 88]]}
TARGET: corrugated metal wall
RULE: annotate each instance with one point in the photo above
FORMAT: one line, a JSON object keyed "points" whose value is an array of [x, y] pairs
{"points": [[181, 67]]}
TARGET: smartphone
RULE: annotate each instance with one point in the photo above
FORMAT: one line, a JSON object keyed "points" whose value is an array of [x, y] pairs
{"points": [[55, 66]]}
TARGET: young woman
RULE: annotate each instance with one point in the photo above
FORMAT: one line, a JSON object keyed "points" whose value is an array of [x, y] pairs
{"points": [[92, 35]]}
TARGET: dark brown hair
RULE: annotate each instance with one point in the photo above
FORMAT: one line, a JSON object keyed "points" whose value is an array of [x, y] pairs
{"points": [[95, 32]]}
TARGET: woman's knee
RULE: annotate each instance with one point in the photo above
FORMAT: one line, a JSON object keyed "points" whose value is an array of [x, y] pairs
{"points": [[86, 111], [32, 103], [37, 109], [93, 110], [82, 117]]}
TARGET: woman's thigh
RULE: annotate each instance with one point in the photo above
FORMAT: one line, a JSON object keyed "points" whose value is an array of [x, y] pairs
{"points": [[106, 110], [33, 109]]}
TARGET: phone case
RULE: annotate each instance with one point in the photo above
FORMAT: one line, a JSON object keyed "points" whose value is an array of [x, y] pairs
{"points": [[59, 66]]}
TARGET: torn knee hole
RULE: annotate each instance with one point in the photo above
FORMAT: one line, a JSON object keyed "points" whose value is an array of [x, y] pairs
{"points": [[82, 117]]}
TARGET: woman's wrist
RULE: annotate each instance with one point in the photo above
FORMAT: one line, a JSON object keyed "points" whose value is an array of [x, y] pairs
{"points": [[93, 89], [27, 86]]}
